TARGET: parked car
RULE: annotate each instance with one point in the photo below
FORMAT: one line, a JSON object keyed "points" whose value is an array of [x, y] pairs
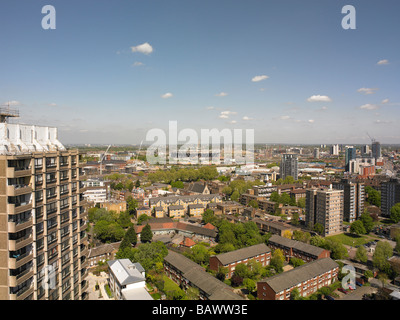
{"points": [[329, 298], [343, 290], [358, 284]]}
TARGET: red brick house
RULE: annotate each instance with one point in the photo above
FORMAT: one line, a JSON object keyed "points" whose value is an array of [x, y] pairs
{"points": [[259, 252]]}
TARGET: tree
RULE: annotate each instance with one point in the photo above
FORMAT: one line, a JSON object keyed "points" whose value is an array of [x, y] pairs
{"points": [[241, 270], [131, 236], [235, 195], [124, 219], [295, 294], [373, 196], [221, 274], [131, 205], [296, 262], [147, 234], [250, 284], [395, 213], [253, 203], [367, 221], [209, 216], [319, 228], [317, 241], [137, 183], [277, 260], [338, 250], [357, 227], [143, 218], [361, 254], [383, 252]]}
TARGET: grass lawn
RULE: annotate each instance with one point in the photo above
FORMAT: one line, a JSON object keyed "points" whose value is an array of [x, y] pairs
{"points": [[169, 285], [350, 239]]}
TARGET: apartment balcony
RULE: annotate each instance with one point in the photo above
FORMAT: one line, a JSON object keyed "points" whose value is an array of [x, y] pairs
{"points": [[16, 226], [84, 285], [23, 293], [18, 189], [15, 172], [15, 263], [21, 278], [14, 245], [15, 208]]}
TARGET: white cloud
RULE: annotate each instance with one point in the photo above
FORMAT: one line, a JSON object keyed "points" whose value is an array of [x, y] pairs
{"points": [[385, 101], [228, 112], [367, 90], [319, 98], [369, 106], [246, 118], [259, 78], [233, 121], [167, 95], [311, 121], [52, 104], [221, 94], [382, 121], [137, 64], [144, 48], [284, 117], [210, 108], [383, 62]]}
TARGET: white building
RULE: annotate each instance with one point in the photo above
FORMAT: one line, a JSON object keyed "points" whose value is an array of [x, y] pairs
{"points": [[127, 280]]}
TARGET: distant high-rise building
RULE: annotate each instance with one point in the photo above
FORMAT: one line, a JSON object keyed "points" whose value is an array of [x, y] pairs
{"points": [[43, 244], [325, 206], [376, 150], [350, 155], [353, 198], [390, 195], [289, 165], [334, 149], [316, 153], [365, 150]]}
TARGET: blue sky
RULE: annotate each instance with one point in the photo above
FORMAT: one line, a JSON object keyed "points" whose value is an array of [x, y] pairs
{"points": [[101, 76]]}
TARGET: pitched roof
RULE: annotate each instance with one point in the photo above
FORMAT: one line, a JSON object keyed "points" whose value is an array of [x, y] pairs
{"points": [[103, 249], [301, 246], [300, 274], [209, 226], [187, 242], [126, 272], [197, 276], [197, 187], [244, 253]]}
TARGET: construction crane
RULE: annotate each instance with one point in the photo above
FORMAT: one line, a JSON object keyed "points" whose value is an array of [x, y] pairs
{"points": [[101, 160], [372, 139]]}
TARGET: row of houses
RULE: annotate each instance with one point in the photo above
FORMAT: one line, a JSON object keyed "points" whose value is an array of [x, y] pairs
{"points": [[167, 226], [319, 271], [189, 274]]}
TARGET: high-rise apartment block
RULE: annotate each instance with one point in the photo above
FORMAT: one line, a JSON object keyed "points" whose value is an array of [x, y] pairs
{"points": [[43, 241], [390, 195], [349, 155], [353, 198], [334, 149], [289, 165], [325, 206], [376, 150]]}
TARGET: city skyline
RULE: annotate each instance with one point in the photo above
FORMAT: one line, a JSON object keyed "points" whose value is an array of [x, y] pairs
{"points": [[111, 71]]}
